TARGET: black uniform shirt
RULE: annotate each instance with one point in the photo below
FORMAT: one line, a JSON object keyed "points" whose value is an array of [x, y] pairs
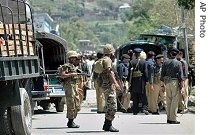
{"points": [[172, 68]]}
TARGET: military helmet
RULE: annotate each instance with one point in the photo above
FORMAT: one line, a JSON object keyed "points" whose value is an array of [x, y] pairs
{"points": [[108, 49], [72, 54]]}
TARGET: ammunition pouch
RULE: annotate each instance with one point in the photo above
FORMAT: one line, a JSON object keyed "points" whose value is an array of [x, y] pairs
{"points": [[137, 73]]}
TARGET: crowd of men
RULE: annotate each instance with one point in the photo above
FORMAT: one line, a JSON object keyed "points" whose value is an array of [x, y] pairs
{"points": [[138, 82]]}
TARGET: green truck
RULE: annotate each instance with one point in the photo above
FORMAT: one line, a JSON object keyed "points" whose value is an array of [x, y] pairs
{"points": [[28, 65]]}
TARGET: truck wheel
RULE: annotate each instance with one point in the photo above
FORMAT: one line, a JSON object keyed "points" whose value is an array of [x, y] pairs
{"points": [[59, 105], [5, 122], [21, 115]]}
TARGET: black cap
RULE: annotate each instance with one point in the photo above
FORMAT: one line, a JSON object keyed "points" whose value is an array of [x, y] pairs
{"points": [[159, 56], [126, 56], [137, 50], [173, 50]]}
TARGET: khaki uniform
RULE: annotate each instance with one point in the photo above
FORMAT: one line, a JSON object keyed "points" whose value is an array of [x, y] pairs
{"points": [[81, 84], [126, 97], [99, 97], [172, 99], [183, 101], [171, 75], [70, 86]]}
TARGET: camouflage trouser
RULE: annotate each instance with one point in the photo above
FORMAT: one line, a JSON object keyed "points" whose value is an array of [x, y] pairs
{"points": [[72, 100], [172, 99], [110, 103]]}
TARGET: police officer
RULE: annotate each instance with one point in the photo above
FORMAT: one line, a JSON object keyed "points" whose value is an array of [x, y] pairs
{"points": [[153, 84], [183, 101], [97, 83], [123, 76], [137, 80], [70, 77], [172, 78], [159, 59], [109, 87]]}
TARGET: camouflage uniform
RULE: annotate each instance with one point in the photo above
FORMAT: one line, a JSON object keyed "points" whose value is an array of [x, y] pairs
{"points": [[70, 85], [72, 97], [108, 88], [109, 92]]}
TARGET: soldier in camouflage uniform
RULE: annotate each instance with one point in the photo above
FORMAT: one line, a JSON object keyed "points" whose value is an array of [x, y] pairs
{"points": [[109, 87], [173, 80], [70, 76]]}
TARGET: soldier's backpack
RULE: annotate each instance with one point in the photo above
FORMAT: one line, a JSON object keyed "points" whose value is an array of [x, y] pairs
{"points": [[98, 66]]}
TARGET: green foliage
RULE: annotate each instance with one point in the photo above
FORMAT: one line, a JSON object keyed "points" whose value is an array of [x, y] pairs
{"points": [[144, 17], [75, 30], [105, 4], [141, 8], [72, 9], [188, 4]]}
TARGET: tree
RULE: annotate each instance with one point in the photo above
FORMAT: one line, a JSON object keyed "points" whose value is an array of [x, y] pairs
{"points": [[188, 4]]}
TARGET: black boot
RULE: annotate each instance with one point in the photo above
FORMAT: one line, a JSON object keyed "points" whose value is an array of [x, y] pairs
{"points": [[108, 126], [71, 124]]}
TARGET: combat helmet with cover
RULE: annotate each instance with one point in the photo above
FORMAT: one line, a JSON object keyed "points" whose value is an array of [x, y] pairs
{"points": [[99, 64], [71, 54], [108, 49]]}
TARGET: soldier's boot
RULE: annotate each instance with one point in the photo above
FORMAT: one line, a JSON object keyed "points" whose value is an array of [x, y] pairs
{"points": [[71, 124], [108, 126]]}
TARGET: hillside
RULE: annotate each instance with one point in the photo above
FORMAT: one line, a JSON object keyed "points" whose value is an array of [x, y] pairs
{"points": [[82, 8]]}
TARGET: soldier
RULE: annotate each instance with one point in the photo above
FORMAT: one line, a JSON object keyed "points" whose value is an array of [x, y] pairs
{"points": [[82, 79], [97, 83], [137, 80], [70, 76], [172, 78], [123, 75], [109, 87], [184, 97]]}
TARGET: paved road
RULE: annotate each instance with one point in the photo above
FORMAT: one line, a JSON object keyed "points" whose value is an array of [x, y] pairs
{"points": [[52, 123]]}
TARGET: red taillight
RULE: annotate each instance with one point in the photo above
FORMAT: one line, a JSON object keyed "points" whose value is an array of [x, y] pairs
{"points": [[46, 87], [1, 43]]}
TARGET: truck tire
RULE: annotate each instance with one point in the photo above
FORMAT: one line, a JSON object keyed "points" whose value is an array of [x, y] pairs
{"points": [[59, 106], [21, 115], [5, 122]]}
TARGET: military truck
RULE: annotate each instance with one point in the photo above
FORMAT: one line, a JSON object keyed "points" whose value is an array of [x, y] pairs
{"points": [[52, 50], [21, 66], [19, 63]]}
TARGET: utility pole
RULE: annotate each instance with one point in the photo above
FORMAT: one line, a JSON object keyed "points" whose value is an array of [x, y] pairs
{"points": [[185, 35]]}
